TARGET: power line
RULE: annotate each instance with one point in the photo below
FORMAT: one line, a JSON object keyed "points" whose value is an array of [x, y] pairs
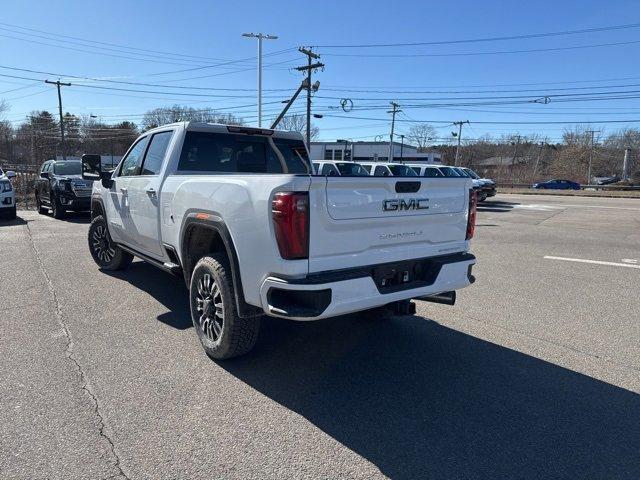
{"points": [[123, 82], [491, 122], [125, 47], [347, 88], [490, 39], [472, 54]]}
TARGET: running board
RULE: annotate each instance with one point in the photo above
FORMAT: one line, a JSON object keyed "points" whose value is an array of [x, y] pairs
{"points": [[169, 267]]}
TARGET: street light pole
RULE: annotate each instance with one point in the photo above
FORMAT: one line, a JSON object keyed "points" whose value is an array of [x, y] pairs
{"points": [[260, 37]]}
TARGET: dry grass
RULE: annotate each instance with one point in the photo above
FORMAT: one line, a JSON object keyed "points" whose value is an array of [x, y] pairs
{"points": [[572, 193]]}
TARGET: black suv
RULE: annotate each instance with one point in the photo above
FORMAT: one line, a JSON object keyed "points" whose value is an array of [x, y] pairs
{"points": [[60, 187]]}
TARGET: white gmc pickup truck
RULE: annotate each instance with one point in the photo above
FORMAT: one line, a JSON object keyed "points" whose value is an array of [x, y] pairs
{"points": [[239, 214]]}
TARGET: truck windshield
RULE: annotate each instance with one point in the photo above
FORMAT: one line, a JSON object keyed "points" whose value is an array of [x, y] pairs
{"points": [[348, 168], [449, 172], [472, 174], [67, 168], [402, 171]]}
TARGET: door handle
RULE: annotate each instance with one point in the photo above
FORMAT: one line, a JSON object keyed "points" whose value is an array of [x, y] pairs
{"points": [[151, 192], [124, 191]]}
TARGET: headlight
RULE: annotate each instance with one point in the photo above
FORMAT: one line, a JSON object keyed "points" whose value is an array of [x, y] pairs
{"points": [[64, 185], [5, 186]]}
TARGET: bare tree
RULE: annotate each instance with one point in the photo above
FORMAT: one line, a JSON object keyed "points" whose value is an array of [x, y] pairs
{"points": [[179, 113], [422, 135], [298, 123]]}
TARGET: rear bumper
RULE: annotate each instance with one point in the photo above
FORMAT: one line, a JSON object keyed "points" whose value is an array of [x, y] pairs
{"points": [[7, 199], [340, 292]]}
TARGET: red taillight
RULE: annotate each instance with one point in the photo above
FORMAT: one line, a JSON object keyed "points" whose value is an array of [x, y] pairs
{"points": [[471, 219], [291, 224]]}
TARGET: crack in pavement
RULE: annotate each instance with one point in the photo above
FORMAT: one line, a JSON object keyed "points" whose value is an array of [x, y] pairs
{"points": [[70, 355]]}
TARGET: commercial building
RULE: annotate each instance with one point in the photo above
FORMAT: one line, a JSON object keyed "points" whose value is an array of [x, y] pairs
{"points": [[370, 152]]}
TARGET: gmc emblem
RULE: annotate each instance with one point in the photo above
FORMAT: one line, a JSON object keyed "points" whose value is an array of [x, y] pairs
{"points": [[402, 204]]}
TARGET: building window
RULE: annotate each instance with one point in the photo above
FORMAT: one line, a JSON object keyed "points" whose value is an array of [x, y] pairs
{"points": [[337, 154], [328, 154]]}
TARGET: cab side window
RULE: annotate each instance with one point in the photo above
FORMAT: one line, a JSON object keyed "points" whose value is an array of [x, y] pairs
{"points": [[381, 171], [155, 153], [131, 163], [328, 169]]}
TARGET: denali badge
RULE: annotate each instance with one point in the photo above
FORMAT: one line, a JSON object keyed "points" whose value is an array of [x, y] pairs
{"points": [[405, 204]]}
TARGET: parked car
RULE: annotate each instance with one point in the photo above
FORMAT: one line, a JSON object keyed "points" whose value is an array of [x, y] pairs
{"points": [[606, 180], [7, 195], [388, 169], [557, 184], [489, 186], [252, 236], [60, 187], [478, 185], [339, 168]]}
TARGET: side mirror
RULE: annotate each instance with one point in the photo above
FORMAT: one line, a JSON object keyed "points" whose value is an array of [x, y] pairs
{"points": [[44, 174], [91, 167], [92, 170], [10, 174]]}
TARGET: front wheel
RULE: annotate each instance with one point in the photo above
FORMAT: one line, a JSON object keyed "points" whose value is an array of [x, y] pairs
{"points": [[41, 209], [57, 210], [12, 214], [107, 254], [222, 332]]}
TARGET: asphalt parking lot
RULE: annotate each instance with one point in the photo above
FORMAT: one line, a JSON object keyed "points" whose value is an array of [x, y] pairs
{"points": [[535, 373]]}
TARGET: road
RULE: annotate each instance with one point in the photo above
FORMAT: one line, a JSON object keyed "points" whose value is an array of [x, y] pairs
{"points": [[534, 373]]}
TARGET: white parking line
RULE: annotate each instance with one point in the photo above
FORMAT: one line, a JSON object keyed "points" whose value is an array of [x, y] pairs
{"points": [[596, 262], [558, 206]]}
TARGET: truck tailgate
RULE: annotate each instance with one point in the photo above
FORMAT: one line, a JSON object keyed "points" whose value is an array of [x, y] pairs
{"points": [[358, 221]]}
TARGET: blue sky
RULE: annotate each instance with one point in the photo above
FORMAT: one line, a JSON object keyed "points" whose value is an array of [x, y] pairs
{"points": [[201, 34]]}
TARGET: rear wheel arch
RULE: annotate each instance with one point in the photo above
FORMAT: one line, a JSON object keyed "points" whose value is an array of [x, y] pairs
{"points": [[203, 237]]}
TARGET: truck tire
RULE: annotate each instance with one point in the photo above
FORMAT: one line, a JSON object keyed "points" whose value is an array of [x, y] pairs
{"points": [[222, 333], [57, 210], [41, 210], [12, 215], [107, 254]]}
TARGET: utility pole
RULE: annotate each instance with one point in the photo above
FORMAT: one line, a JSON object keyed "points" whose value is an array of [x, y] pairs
{"points": [[401, 147], [260, 37], [457, 160], [591, 132], [535, 166], [625, 164], [310, 67], [59, 84], [393, 111]]}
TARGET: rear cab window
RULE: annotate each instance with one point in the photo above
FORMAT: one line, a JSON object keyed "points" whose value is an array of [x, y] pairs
{"points": [[214, 152]]}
